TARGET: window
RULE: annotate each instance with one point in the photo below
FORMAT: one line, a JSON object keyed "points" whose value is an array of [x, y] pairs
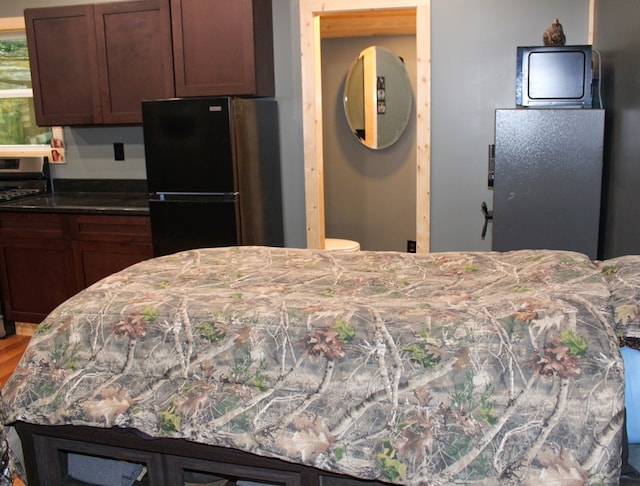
{"points": [[19, 134]]}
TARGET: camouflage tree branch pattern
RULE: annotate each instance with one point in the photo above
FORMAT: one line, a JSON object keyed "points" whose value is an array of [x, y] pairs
{"points": [[414, 369]]}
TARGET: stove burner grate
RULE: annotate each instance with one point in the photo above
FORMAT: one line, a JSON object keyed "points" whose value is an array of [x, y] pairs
{"points": [[12, 194]]}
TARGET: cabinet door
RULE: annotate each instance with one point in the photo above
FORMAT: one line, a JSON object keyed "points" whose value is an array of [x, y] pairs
{"points": [[222, 47], [103, 245], [64, 71], [96, 260], [134, 54], [63, 461], [184, 470], [36, 274], [548, 179], [326, 480]]}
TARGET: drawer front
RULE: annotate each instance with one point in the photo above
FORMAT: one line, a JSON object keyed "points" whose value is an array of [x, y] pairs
{"points": [[95, 260], [131, 229], [32, 225]]}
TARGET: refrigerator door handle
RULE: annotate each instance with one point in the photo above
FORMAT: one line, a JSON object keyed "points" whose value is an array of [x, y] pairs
{"points": [[195, 196]]}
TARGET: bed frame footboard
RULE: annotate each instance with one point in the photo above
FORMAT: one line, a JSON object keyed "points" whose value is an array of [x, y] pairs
{"points": [[164, 461]]}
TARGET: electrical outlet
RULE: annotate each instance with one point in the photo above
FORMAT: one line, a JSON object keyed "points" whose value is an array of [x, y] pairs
{"points": [[411, 246], [118, 151]]}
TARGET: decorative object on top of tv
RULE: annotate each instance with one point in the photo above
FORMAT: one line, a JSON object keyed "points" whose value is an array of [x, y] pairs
{"points": [[554, 35]]}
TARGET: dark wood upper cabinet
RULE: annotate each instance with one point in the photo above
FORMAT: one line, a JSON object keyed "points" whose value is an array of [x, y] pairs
{"points": [[223, 47], [94, 64], [64, 72], [134, 57]]}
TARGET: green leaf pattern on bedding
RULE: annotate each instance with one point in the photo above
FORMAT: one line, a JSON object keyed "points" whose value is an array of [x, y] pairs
{"points": [[412, 369]]}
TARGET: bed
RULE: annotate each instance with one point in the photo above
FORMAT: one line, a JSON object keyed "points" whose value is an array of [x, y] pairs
{"points": [[293, 366]]}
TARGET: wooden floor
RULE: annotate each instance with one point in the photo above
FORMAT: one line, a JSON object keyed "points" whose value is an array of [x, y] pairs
{"points": [[11, 349]]}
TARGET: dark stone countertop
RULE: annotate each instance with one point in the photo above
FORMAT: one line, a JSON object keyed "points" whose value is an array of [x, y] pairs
{"points": [[82, 202], [87, 196]]}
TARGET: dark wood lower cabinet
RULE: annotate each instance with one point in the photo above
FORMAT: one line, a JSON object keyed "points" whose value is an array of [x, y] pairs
{"points": [[103, 245], [63, 461], [167, 462], [47, 258], [185, 470], [37, 276]]}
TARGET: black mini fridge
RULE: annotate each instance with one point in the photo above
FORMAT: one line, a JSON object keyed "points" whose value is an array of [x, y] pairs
{"points": [[213, 173], [547, 180]]}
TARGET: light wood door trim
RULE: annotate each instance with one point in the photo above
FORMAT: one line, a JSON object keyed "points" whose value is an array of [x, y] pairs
{"points": [[311, 12]]}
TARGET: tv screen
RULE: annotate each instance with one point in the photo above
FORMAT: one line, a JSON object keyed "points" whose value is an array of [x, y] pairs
{"points": [[554, 76]]}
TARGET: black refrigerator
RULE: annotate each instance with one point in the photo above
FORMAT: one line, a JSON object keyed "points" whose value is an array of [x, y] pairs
{"points": [[547, 179], [213, 172]]}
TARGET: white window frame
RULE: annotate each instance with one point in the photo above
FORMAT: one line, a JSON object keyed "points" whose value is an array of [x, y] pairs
{"points": [[8, 25]]}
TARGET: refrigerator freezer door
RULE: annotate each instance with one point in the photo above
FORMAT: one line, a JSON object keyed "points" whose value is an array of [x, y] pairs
{"points": [[184, 224], [548, 173], [188, 145]]}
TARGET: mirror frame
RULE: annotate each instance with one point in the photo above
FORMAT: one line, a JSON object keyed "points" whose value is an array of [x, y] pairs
{"points": [[311, 13], [374, 123]]}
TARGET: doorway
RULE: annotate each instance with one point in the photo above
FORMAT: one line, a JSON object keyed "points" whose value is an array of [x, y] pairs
{"points": [[320, 18]]}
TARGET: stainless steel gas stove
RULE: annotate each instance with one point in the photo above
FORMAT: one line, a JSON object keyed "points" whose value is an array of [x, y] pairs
{"points": [[22, 177]]}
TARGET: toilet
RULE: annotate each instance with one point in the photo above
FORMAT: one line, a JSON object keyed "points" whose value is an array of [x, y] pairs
{"points": [[338, 244]]}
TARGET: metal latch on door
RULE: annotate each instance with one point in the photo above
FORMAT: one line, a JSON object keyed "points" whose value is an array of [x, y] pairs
{"points": [[488, 216]]}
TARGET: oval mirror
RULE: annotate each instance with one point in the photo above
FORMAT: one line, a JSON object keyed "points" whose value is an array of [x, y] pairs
{"points": [[378, 97]]}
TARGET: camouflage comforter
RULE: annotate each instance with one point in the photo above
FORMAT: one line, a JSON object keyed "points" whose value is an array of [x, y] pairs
{"points": [[413, 369], [623, 278]]}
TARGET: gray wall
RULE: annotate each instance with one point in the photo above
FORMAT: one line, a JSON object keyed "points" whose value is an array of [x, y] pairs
{"points": [[618, 41], [473, 73], [473, 69], [370, 196]]}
